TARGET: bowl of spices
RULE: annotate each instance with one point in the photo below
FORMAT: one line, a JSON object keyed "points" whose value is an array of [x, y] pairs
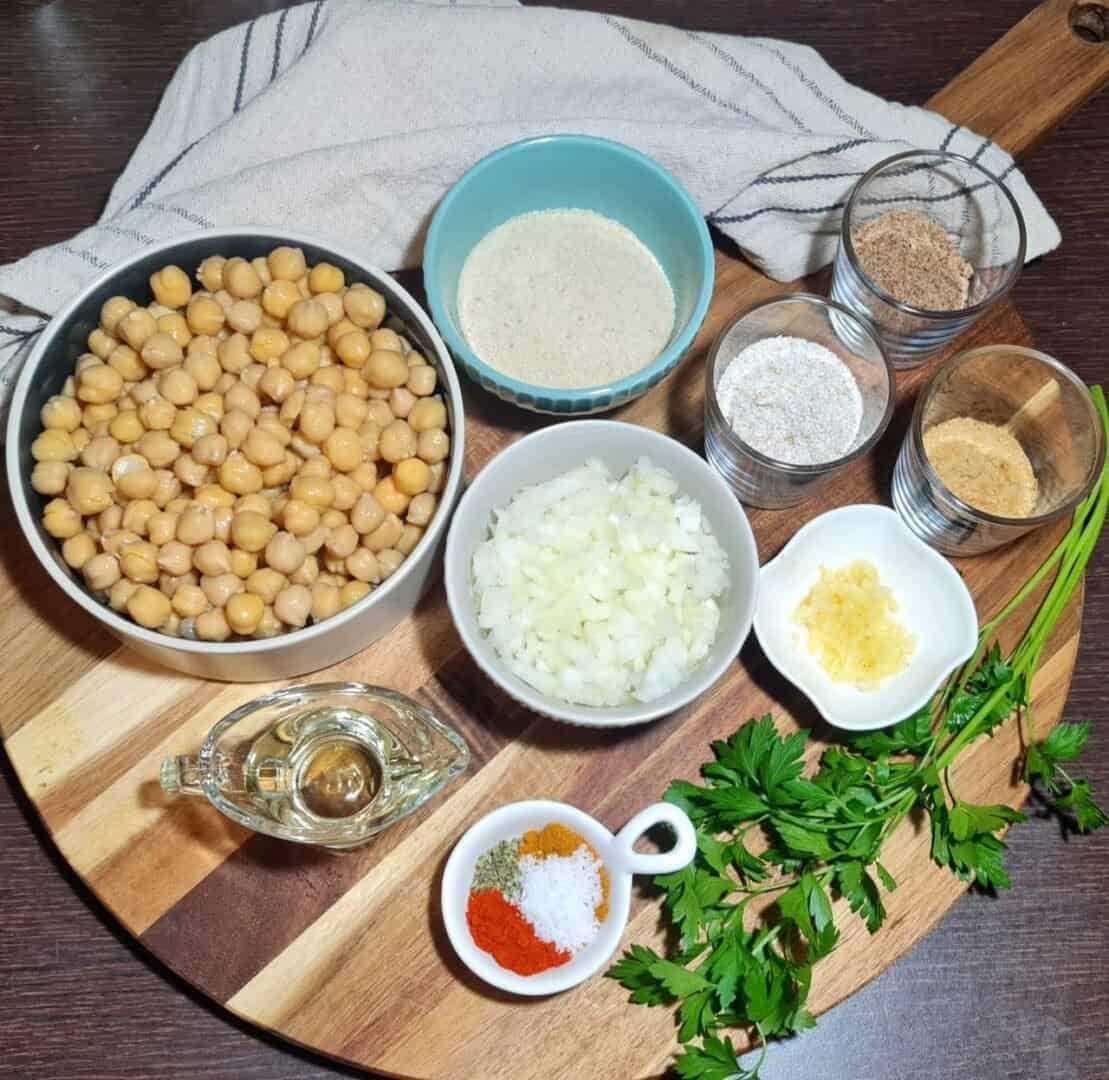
{"points": [[568, 274], [1003, 439], [795, 390], [536, 895], [929, 240], [864, 617]]}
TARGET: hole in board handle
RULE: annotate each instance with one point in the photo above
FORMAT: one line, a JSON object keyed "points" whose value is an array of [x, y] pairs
{"points": [[1090, 22]]}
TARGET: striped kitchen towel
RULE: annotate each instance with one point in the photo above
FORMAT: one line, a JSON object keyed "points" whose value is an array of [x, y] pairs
{"points": [[349, 120]]}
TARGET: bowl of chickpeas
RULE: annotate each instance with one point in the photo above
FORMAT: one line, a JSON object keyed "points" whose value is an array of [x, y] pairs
{"points": [[239, 450]]}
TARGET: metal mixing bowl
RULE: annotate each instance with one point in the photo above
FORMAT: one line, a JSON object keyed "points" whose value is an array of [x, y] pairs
{"points": [[300, 651]]}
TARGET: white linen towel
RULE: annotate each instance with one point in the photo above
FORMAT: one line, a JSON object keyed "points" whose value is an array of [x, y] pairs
{"points": [[349, 120]]}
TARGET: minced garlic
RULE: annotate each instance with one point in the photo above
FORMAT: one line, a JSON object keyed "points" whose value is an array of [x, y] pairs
{"points": [[851, 631]]}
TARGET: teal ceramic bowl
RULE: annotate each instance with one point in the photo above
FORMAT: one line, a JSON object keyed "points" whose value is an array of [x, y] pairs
{"points": [[580, 172]]}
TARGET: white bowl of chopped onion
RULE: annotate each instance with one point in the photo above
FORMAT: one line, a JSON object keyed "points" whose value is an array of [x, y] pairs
{"points": [[601, 573]]}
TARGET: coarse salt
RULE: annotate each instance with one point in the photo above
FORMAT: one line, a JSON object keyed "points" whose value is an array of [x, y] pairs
{"points": [[792, 400], [559, 896], [564, 298]]}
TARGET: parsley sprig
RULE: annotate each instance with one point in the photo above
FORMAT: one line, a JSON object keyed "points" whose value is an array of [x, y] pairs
{"points": [[753, 911]]}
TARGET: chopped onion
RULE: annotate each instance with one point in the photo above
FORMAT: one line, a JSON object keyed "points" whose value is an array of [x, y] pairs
{"points": [[601, 591]]}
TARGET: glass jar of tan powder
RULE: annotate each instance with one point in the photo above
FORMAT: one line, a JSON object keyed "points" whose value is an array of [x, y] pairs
{"points": [[1003, 439]]}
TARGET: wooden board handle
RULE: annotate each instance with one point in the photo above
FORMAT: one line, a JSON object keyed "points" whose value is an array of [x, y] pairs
{"points": [[1034, 77]]}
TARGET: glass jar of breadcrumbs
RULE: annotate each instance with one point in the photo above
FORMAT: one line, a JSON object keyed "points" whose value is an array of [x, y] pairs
{"points": [[929, 241], [1003, 439]]}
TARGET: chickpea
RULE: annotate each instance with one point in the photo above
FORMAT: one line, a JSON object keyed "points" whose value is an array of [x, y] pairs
{"points": [[354, 385], [427, 415], [331, 380], [235, 426], [178, 387], [315, 490], [120, 593], [256, 502], [245, 316], [189, 471], [126, 427], [386, 369], [99, 384], [171, 286], [148, 607], [138, 561], [342, 541], [332, 519], [135, 328], [384, 338], [433, 445], [244, 399], [301, 360], [81, 439], [300, 518], [290, 407], [100, 453], [95, 418], [251, 531], [160, 352], [353, 349], [189, 425], [339, 329], [127, 363], [307, 318], [409, 538], [78, 549], [287, 263], [101, 572], [243, 612], [411, 476], [325, 278], [236, 352], [157, 414], [62, 413], [269, 423], [365, 307], [266, 583], [401, 401], [333, 305], [210, 449], [175, 558], [177, 506], [241, 279], [385, 535], [86, 360], [307, 572], [350, 410], [421, 508], [276, 384], [166, 488], [239, 475], [243, 563], [316, 421], [388, 562], [134, 482], [378, 412], [225, 381], [421, 379], [390, 497], [204, 315], [285, 553], [362, 566], [225, 301], [204, 368], [398, 441], [280, 474], [101, 344], [158, 448], [352, 592], [268, 344], [161, 527], [112, 311], [137, 515], [210, 272], [176, 327], [293, 605], [212, 558], [279, 297], [110, 519], [212, 625], [201, 345], [369, 436], [196, 525], [49, 477], [220, 588], [222, 517], [347, 492], [326, 601], [189, 601], [438, 478], [367, 514]]}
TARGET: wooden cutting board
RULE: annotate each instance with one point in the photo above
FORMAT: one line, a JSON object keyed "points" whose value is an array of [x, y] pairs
{"points": [[346, 954]]}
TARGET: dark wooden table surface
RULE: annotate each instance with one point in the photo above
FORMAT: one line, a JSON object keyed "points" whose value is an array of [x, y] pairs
{"points": [[1007, 987]]}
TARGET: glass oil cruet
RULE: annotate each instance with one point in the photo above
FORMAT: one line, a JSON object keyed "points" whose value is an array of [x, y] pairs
{"points": [[329, 764]]}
